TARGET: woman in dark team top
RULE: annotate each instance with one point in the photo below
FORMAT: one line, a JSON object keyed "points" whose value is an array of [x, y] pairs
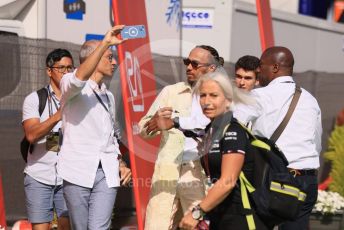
{"points": [[227, 153]]}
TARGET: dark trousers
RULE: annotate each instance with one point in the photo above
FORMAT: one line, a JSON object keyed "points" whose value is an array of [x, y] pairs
{"points": [[309, 184]]}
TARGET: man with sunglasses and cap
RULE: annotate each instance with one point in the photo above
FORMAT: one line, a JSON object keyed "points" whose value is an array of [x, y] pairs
{"points": [[178, 179]]}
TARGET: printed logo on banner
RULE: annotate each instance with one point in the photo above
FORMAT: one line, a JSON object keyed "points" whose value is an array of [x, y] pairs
{"points": [[197, 18], [74, 9], [132, 67]]}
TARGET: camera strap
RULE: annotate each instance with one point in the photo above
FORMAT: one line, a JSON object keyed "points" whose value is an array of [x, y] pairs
{"points": [[53, 98]]}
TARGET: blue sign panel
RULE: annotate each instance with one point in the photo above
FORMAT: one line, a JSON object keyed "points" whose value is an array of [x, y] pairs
{"points": [[94, 37], [74, 9]]}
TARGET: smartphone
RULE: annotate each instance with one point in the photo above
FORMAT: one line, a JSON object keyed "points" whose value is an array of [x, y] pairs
{"points": [[131, 32]]}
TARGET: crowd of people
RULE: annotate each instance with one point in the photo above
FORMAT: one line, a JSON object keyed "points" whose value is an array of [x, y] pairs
{"points": [[74, 167]]}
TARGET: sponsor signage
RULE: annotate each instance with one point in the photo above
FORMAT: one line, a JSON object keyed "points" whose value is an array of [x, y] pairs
{"points": [[198, 18], [74, 9]]}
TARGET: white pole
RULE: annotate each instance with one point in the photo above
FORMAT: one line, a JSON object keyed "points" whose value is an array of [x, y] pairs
{"points": [[41, 19]]}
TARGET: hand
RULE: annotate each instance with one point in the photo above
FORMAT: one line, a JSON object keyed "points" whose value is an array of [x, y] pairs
{"points": [[125, 174], [165, 112], [111, 38], [160, 121], [157, 123], [188, 222], [164, 123]]}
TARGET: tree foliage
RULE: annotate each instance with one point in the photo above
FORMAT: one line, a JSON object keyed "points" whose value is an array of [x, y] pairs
{"points": [[335, 154]]}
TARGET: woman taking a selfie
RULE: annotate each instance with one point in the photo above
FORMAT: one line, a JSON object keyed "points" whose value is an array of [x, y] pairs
{"points": [[226, 152]]}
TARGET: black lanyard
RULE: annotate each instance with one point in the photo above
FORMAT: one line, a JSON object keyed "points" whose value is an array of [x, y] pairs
{"points": [[106, 108], [101, 101]]}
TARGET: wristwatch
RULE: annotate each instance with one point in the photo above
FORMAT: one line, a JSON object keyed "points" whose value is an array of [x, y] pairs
{"points": [[197, 213], [176, 122]]}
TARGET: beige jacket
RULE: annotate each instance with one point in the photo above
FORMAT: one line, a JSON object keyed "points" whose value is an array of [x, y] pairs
{"points": [[170, 155]]}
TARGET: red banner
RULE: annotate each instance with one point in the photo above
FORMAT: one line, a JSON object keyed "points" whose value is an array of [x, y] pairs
{"points": [[265, 24], [139, 91], [2, 208]]}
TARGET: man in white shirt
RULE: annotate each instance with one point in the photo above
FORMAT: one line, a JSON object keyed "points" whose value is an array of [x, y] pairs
{"points": [[89, 159], [301, 139], [43, 186], [178, 179]]}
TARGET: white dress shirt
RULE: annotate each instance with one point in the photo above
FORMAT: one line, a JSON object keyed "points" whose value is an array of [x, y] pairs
{"points": [[301, 139], [197, 120], [88, 134], [41, 164]]}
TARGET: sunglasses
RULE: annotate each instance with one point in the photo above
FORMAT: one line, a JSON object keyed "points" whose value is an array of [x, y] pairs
{"points": [[194, 64]]}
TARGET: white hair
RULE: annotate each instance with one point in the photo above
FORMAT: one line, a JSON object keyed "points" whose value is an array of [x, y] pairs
{"points": [[86, 49], [229, 89]]}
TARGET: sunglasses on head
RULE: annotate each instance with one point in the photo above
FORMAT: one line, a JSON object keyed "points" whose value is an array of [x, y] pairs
{"points": [[194, 64]]}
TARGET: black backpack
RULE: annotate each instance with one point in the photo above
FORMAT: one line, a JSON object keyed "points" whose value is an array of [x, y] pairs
{"points": [[25, 145], [274, 193]]}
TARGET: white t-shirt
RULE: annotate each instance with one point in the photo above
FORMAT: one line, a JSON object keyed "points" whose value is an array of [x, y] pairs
{"points": [[196, 120], [41, 164]]}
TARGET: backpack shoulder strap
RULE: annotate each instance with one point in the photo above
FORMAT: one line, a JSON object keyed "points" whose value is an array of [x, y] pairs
{"points": [[244, 186], [254, 140], [248, 131], [42, 98]]}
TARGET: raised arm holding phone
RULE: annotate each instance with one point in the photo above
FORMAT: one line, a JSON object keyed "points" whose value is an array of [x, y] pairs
{"points": [[89, 161]]}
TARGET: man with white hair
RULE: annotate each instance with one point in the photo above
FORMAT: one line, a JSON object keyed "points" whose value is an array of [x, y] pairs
{"points": [[89, 161]]}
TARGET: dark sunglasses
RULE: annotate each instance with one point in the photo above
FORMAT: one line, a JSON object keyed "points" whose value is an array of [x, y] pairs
{"points": [[194, 64]]}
